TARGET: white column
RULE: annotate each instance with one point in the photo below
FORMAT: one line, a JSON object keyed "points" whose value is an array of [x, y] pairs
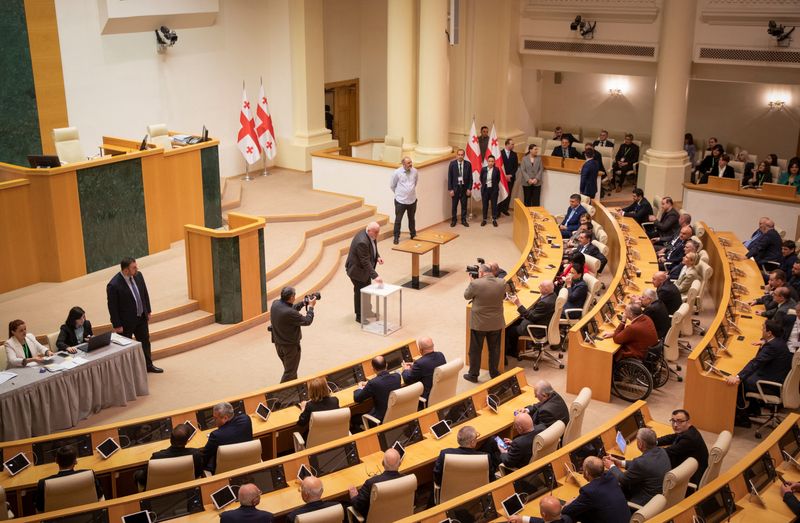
{"points": [[665, 164], [401, 100], [434, 73]]}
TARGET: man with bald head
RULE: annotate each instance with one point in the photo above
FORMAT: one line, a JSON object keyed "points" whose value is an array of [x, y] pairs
{"points": [[599, 501], [656, 311], [422, 369], [549, 406], [690, 246], [672, 254], [516, 452], [539, 313], [249, 497], [360, 498], [757, 233], [360, 264], [311, 491], [378, 388], [644, 476], [767, 247], [668, 293], [549, 508]]}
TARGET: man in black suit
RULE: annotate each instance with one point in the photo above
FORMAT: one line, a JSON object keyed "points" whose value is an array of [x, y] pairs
{"points": [[640, 209], [360, 265], [673, 253], [510, 166], [577, 292], [771, 363], [599, 501], [378, 388], [231, 428], [785, 312], [602, 140], [539, 313], [467, 438], [549, 408], [360, 498], [311, 490], [656, 311], [590, 152], [585, 246], [490, 189], [669, 224], [517, 452], [483, 140], [66, 459], [129, 307], [566, 150], [627, 155], [667, 292], [775, 280], [422, 369], [686, 442], [177, 448], [459, 186], [285, 322], [722, 170], [549, 508], [644, 476], [559, 134], [767, 248], [249, 497]]}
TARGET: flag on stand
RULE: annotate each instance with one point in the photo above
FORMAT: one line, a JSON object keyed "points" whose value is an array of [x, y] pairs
{"points": [[473, 153], [264, 130], [494, 150], [247, 139]]}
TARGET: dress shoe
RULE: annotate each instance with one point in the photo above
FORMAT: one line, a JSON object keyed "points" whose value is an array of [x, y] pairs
{"points": [[465, 224], [494, 222], [483, 223], [470, 377], [506, 213], [396, 241], [453, 223], [155, 370]]}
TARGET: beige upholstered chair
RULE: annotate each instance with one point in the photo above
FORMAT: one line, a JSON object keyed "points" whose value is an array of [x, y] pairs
{"points": [[601, 246], [462, 473], [3, 359], [333, 514], [68, 145], [654, 507], [325, 426], [445, 380], [606, 152], [592, 262], [677, 481], [392, 149], [159, 135], [389, 501], [402, 402], [716, 455], [551, 336], [70, 491], [237, 455], [537, 141], [170, 471], [687, 329], [672, 348], [549, 146], [5, 510], [788, 395], [601, 235], [52, 338], [576, 412]]}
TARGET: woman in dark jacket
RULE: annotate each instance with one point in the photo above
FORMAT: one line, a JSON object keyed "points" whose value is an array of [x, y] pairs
{"points": [[319, 398], [76, 330], [759, 176]]}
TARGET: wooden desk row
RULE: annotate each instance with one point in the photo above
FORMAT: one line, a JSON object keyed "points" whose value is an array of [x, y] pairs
{"points": [[360, 455]]}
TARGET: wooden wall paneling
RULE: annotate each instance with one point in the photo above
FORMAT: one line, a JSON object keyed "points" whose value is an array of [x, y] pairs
{"points": [[249, 265], [200, 270], [21, 266], [158, 203], [185, 170]]}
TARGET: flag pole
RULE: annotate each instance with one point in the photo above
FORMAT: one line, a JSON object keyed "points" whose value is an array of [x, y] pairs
{"points": [[266, 172], [247, 176]]}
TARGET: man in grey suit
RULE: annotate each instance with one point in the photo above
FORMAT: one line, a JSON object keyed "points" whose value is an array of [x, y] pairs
{"points": [[549, 408], [361, 261], [486, 321], [644, 476]]}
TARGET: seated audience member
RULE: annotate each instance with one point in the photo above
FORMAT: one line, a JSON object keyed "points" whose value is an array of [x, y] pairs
{"points": [[722, 170], [311, 490], [497, 272], [688, 274], [378, 388], [655, 309], [690, 148], [777, 279], [627, 155], [585, 246], [757, 233], [549, 407], [22, 347], [644, 476], [572, 218], [747, 168], [767, 247], [758, 177], [634, 335], [712, 143], [788, 256], [518, 451], [602, 140], [781, 314], [231, 428], [601, 500], [794, 278], [539, 313], [66, 459], [789, 498], [791, 176], [422, 369], [640, 210], [177, 448], [549, 508], [673, 252], [691, 246], [576, 259], [467, 439], [559, 134], [669, 224], [772, 159], [686, 442], [709, 164], [577, 292], [249, 497], [772, 362], [660, 241], [76, 330], [667, 292], [572, 242], [360, 498], [319, 399], [566, 150]]}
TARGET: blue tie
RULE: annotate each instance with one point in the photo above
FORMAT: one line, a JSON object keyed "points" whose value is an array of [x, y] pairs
{"points": [[137, 297]]}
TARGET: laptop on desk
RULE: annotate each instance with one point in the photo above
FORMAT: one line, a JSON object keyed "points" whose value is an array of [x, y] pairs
{"points": [[95, 342]]}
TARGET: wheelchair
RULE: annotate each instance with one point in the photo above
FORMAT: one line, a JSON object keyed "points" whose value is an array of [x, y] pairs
{"points": [[633, 379]]}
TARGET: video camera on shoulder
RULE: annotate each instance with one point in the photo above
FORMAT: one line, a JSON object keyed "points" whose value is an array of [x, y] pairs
{"points": [[472, 270]]}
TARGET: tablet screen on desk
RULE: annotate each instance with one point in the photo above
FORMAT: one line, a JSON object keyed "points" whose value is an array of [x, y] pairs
{"points": [[174, 504], [223, 497], [267, 480], [192, 429], [17, 464], [262, 411], [45, 451], [440, 429], [512, 504], [399, 448], [491, 403], [142, 516], [107, 448], [506, 390]]}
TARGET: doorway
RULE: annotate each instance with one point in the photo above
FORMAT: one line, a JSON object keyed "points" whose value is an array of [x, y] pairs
{"points": [[343, 117]]}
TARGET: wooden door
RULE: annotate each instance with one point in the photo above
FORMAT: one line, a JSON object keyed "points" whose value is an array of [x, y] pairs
{"points": [[344, 106]]}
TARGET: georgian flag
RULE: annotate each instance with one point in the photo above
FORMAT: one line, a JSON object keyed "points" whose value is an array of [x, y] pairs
{"points": [[263, 123], [247, 140], [494, 150], [473, 153]]}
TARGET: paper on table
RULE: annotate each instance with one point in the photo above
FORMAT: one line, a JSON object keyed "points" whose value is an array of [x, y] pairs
{"points": [[5, 376], [120, 340], [78, 360], [69, 364]]}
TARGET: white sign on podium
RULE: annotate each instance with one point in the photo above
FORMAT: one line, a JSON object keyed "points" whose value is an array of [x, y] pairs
{"points": [[381, 308]]}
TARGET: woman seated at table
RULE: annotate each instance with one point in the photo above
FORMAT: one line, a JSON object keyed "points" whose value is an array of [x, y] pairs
{"points": [[76, 330], [319, 398], [759, 177], [577, 293], [688, 274], [22, 347], [791, 176]]}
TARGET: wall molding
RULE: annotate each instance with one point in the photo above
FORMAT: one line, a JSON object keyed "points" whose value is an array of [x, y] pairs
{"points": [[626, 11], [750, 12]]}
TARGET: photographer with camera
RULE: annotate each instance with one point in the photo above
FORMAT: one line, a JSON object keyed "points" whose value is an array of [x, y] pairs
{"points": [[486, 321], [286, 320]]}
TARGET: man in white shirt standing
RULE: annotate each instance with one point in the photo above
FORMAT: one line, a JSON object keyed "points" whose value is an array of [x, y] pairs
{"points": [[404, 187]]}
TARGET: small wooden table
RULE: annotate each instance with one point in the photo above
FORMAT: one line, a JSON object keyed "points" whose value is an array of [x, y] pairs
{"points": [[415, 247], [439, 238]]}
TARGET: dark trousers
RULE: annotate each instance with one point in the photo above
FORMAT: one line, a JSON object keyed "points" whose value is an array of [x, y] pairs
{"points": [[140, 331], [357, 286], [399, 210], [751, 406], [290, 357], [476, 349], [503, 206], [459, 196], [532, 194], [489, 195]]}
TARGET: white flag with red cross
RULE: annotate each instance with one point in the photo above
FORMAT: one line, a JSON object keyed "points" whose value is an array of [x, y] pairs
{"points": [[247, 140], [494, 150], [473, 153], [264, 130]]}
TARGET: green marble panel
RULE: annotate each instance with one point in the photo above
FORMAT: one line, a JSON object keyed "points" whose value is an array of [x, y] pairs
{"points": [[212, 199], [112, 213], [227, 280], [262, 269], [19, 116]]}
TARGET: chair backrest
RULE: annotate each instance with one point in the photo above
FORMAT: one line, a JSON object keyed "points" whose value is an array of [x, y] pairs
{"points": [[738, 167], [547, 440], [716, 454], [704, 256], [601, 235], [536, 140], [656, 205], [671, 348], [238, 455], [463, 473], [602, 246], [790, 392], [576, 411], [692, 297], [782, 163], [332, 514], [706, 272], [553, 332], [606, 152], [327, 425], [69, 491], [592, 262], [392, 149], [3, 358], [445, 380], [169, 471], [607, 163], [775, 171], [159, 135], [595, 289], [589, 208], [403, 401], [52, 338], [654, 507], [68, 145], [549, 146], [392, 500], [5, 513], [676, 481]]}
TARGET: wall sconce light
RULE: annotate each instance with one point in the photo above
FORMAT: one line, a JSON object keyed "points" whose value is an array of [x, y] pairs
{"points": [[615, 91], [617, 86], [776, 105]]}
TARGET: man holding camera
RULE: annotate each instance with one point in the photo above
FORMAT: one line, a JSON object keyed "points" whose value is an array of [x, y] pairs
{"points": [[286, 320], [486, 321]]}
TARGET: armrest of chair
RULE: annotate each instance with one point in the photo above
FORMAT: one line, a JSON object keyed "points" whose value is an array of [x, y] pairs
{"points": [[353, 516], [437, 489], [634, 506], [558, 218], [369, 421], [299, 441], [691, 485], [503, 470], [568, 320], [759, 383]]}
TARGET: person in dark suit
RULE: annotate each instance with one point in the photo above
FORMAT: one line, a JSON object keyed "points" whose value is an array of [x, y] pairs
{"points": [[467, 438], [788, 256], [667, 292], [722, 170], [686, 442], [490, 189], [577, 292], [177, 448], [378, 388], [566, 150], [669, 224], [231, 428], [66, 459], [588, 181], [590, 152], [634, 335], [767, 248], [483, 140], [789, 498], [602, 140], [757, 177], [599, 501], [772, 362], [549, 408], [510, 166], [360, 265], [459, 186], [311, 490], [486, 321], [585, 246], [785, 312], [644, 476], [76, 330], [794, 279], [549, 508], [672, 253], [129, 307], [559, 134], [285, 322], [655, 309], [249, 497], [539, 313], [572, 218], [627, 155], [360, 498], [422, 369], [319, 399], [640, 209], [775, 280], [518, 451]]}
